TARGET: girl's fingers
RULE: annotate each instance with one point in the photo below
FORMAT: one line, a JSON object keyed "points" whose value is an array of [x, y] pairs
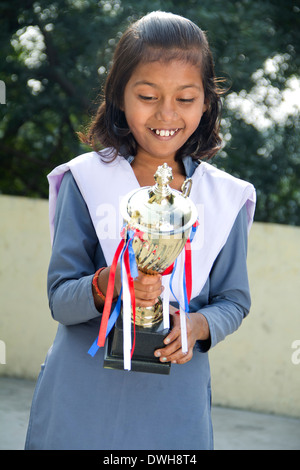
{"points": [[147, 289], [172, 352], [176, 356], [173, 347], [147, 293]]}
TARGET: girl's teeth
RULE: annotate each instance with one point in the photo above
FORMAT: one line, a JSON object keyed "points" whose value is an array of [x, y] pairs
{"points": [[164, 133]]}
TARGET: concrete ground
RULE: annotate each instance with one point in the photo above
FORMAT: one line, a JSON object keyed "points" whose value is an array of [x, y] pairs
{"points": [[233, 429]]}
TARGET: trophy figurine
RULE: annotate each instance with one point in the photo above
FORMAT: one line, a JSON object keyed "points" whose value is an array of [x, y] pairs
{"points": [[163, 218]]}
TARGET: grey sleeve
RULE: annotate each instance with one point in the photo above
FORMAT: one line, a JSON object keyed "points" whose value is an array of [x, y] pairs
{"points": [[229, 296], [74, 258]]}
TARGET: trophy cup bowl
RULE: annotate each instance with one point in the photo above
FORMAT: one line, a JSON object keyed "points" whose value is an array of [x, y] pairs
{"points": [[163, 217]]}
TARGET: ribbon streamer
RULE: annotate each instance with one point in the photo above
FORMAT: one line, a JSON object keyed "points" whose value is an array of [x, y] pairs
{"points": [[186, 290], [129, 271], [129, 267], [109, 296], [129, 304], [183, 310], [166, 301], [112, 320], [126, 318]]}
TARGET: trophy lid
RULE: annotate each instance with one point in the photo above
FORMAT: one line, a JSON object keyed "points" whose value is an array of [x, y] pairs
{"points": [[160, 209]]}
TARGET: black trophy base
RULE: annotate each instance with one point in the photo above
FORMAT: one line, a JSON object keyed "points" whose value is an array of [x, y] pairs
{"points": [[147, 340]]}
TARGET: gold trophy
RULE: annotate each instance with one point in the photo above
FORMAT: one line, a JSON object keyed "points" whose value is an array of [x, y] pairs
{"points": [[163, 219]]}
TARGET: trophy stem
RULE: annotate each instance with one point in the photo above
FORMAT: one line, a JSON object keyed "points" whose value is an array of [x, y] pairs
{"points": [[148, 316]]}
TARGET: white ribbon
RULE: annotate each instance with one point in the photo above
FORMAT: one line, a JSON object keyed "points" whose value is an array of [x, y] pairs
{"points": [[184, 345], [166, 301], [126, 319]]}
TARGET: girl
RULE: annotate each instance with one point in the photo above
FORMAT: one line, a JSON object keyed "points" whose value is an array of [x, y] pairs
{"points": [[161, 104]]}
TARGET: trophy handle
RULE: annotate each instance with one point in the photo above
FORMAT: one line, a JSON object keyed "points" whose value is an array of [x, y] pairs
{"points": [[186, 187]]}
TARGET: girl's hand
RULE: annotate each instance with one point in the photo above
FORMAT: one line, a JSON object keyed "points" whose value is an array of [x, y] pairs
{"points": [[197, 329], [147, 287]]}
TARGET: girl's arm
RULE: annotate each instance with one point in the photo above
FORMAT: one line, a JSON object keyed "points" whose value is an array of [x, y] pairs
{"points": [[76, 255], [225, 300], [229, 294]]}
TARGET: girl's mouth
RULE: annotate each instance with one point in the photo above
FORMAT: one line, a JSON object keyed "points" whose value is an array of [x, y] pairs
{"points": [[165, 132]]}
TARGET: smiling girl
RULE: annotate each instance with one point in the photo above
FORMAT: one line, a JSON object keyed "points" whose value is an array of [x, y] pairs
{"points": [[161, 105]]}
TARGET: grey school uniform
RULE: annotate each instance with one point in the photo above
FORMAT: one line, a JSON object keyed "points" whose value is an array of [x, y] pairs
{"points": [[80, 405]]}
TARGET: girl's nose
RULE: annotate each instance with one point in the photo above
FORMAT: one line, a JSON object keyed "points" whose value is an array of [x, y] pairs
{"points": [[166, 111]]}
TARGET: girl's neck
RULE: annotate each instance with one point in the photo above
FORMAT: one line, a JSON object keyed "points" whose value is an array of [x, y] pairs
{"points": [[145, 166]]}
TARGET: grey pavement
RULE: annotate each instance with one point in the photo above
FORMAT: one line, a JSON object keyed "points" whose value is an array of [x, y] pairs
{"points": [[233, 429]]}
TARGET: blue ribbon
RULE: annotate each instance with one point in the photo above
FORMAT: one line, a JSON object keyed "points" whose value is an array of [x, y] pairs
{"points": [[186, 304], [132, 260], [111, 321], [193, 231]]}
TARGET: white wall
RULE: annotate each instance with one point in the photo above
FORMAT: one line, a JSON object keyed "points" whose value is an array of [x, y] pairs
{"points": [[251, 369], [257, 368]]}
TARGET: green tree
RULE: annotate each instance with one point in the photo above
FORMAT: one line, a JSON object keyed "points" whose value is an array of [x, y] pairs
{"points": [[54, 56]]}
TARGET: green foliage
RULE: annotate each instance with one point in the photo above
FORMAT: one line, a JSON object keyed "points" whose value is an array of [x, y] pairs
{"points": [[54, 56]]}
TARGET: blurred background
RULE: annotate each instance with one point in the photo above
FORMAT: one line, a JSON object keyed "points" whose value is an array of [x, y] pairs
{"points": [[54, 56]]}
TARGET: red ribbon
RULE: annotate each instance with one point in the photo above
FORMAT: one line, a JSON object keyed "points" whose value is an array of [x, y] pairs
{"points": [[168, 270], [188, 269], [109, 296]]}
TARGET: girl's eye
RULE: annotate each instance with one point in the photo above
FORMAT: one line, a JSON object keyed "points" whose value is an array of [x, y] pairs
{"points": [[146, 98], [185, 100], [153, 98]]}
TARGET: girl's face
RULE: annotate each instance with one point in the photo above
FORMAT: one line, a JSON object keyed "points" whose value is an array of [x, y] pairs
{"points": [[163, 105]]}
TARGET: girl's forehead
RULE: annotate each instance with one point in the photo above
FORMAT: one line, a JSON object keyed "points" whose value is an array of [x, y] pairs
{"points": [[169, 77], [175, 70]]}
